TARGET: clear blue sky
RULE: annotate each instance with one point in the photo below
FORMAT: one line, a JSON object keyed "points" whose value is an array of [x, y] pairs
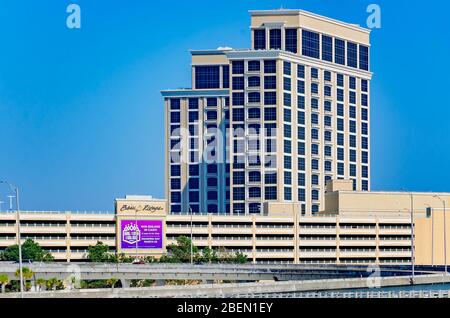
{"points": [[81, 116]]}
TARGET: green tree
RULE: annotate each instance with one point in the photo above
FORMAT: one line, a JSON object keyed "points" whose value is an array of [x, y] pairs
{"points": [[30, 251], [181, 252], [4, 280], [209, 255], [41, 283], [54, 284], [98, 253], [27, 275], [112, 282]]}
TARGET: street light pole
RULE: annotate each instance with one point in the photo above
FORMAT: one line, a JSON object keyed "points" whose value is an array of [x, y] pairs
{"points": [[192, 242], [412, 238], [19, 241]]}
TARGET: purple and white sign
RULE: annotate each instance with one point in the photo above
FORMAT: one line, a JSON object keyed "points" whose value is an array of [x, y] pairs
{"points": [[141, 234]]}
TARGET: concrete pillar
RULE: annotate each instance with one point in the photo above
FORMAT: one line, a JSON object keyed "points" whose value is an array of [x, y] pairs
{"points": [[125, 283]]}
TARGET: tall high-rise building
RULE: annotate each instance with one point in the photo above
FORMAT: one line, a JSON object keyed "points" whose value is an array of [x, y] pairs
{"points": [[272, 123]]}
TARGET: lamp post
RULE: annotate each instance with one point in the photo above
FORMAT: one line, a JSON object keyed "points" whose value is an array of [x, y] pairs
{"points": [[192, 237], [445, 233], [19, 242]]}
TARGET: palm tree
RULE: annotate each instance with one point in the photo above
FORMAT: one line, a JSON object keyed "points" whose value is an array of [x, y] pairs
{"points": [[4, 280], [41, 283], [52, 283], [27, 274]]}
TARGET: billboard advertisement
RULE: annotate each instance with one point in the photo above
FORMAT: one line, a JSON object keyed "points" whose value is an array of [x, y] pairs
{"points": [[141, 234]]}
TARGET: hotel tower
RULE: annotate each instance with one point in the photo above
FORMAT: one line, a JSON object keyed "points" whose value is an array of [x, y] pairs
{"points": [[274, 123]]}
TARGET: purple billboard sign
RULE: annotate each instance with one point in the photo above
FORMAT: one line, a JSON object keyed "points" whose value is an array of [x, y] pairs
{"points": [[141, 234]]}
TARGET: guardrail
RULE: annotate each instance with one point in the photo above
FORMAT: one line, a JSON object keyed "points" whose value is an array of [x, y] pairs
{"points": [[368, 294]]}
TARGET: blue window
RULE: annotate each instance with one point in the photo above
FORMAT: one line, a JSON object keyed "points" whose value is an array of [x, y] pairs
{"points": [[315, 180], [194, 183], [352, 155], [300, 71], [327, 106], [207, 77], [254, 66], [270, 66], [352, 170], [365, 185], [301, 133], [238, 114], [301, 148], [352, 140], [270, 178], [301, 87], [270, 193], [287, 178], [364, 57], [254, 113], [364, 114], [310, 44], [364, 85], [175, 208], [340, 154], [327, 121], [212, 208], [340, 95], [352, 126], [314, 88], [287, 131], [287, 162], [314, 119], [365, 157], [254, 176], [301, 164], [340, 124], [254, 97], [301, 102], [270, 114], [328, 166], [301, 195], [352, 82], [238, 67], [254, 208], [288, 194], [194, 196], [239, 194], [327, 76], [315, 195], [239, 177], [339, 51], [364, 143], [259, 39], [238, 83], [175, 104], [364, 100], [327, 48], [340, 169], [239, 208], [364, 129], [315, 164], [212, 195], [314, 134], [291, 40], [211, 115], [314, 149], [254, 192], [301, 179], [226, 76], [340, 80], [212, 168], [254, 81], [328, 136], [193, 117], [352, 97], [286, 68], [327, 91], [352, 54], [287, 99], [175, 171], [287, 115], [352, 112], [270, 98], [193, 103], [194, 170], [270, 82], [365, 172], [175, 184], [314, 73], [340, 139], [287, 84], [238, 99], [175, 117], [275, 39], [301, 118]]}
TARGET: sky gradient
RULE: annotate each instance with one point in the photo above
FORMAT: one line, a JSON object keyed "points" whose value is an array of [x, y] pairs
{"points": [[81, 115]]}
